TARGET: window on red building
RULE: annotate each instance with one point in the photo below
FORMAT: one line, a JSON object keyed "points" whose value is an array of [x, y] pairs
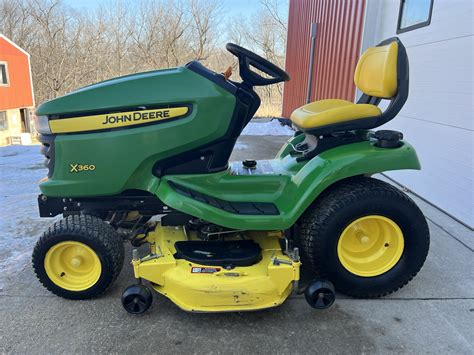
{"points": [[3, 74]]}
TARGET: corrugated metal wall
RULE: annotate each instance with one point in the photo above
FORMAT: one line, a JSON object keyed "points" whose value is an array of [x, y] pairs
{"points": [[338, 42]]}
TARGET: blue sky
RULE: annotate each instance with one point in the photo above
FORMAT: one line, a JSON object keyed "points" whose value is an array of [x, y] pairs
{"points": [[233, 7]]}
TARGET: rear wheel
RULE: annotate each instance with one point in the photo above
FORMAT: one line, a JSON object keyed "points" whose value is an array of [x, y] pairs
{"points": [[364, 235], [78, 257]]}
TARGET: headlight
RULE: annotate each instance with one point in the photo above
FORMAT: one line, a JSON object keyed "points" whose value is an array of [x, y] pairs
{"points": [[42, 124]]}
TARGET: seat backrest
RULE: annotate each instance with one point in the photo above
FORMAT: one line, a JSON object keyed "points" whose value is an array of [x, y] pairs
{"points": [[376, 71], [383, 73]]}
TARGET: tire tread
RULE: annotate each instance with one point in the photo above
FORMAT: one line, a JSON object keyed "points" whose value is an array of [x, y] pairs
{"points": [[319, 214], [92, 229]]}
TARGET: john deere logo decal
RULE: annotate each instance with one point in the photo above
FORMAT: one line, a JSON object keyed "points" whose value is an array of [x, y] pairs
{"points": [[115, 120], [137, 116]]}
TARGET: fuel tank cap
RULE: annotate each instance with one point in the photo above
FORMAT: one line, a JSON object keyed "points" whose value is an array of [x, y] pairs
{"points": [[249, 163]]}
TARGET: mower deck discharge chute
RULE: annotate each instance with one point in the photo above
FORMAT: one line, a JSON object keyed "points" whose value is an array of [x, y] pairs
{"points": [[227, 236]]}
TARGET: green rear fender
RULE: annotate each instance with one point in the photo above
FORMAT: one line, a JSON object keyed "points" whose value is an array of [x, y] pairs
{"points": [[292, 186]]}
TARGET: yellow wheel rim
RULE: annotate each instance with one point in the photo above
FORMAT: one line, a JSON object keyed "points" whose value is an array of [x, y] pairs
{"points": [[370, 246], [73, 266]]}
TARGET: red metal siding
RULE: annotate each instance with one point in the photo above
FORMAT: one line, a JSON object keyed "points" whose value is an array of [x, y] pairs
{"points": [[18, 93], [338, 43]]}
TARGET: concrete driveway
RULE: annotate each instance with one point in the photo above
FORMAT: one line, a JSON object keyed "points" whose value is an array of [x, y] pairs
{"points": [[433, 314]]}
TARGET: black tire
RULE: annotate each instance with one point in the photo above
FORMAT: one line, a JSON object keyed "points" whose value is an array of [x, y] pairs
{"points": [[324, 221], [107, 216], [320, 294], [137, 299], [94, 233]]}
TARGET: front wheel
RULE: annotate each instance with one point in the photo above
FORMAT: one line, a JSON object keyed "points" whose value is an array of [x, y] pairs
{"points": [[125, 220], [78, 257], [364, 235]]}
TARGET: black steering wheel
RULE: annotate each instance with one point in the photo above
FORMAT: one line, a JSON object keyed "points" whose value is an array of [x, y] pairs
{"points": [[249, 77]]}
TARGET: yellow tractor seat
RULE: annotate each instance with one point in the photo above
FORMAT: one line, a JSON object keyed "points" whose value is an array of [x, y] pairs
{"points": [[381, 74], [326, 112]]}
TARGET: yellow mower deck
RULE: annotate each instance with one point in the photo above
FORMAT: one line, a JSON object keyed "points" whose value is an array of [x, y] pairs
{"points": [[204, 288]]}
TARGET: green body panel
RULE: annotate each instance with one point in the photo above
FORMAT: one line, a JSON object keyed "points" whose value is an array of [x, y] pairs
{"points": [[165, 86], [292, 186], [124, 158], [287, 148]]}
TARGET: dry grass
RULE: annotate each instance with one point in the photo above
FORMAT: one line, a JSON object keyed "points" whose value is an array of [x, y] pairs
{"points": [[269, 109]]}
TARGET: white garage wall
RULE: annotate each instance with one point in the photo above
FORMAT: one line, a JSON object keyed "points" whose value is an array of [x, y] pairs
{"points": [[438, 116]]}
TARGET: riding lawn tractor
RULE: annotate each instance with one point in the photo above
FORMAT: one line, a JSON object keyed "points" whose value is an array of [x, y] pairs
{"points": [[144, 158]]}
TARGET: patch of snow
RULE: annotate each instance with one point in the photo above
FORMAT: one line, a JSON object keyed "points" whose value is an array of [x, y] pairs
{"points": [[269, 128], [240, 146], [21, 167]]}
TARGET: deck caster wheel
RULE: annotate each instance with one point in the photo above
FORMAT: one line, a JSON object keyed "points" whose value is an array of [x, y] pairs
{"points": [[320, 294], [137, 299]]}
